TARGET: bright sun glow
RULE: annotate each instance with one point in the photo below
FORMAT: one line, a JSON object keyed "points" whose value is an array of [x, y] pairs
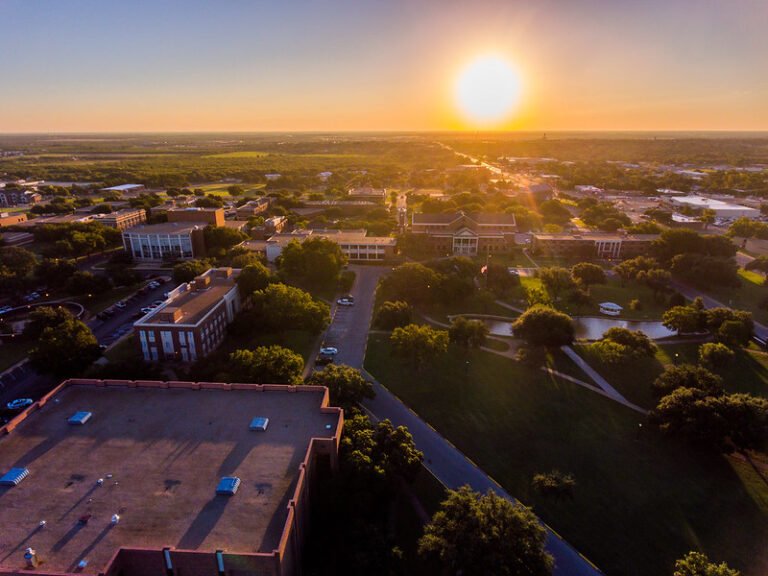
{"points": [[488, 90]]}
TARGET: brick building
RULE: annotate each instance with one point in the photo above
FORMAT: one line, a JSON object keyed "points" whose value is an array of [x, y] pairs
{"points": [[592, 245], [7, 219], [355, 244], [466, 234], [122, 219], [192, 322], [129, 487], [253, 208]]}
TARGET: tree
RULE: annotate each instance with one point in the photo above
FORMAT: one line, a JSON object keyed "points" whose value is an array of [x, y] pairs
{"points": [[587, 274], [630, 269], [45, 317], [724, 421], [707, 217], [697, 564], [266, 365], [87, 283], [281, 307], [499, 280], [554, 484], [411, 282], [715, 355], [189, 269], [314, 262], [684, 319], [637, 343], [556, 280], [544, 326], [393, 315], [554, 212], [732, 327], [687, 376], [55, 271], [252, 278], [66, 349], [209, 201], [656, 279], [475, 535], [419, 343], [219, 239], [235, 190], [467, 333], [347, 386], [16, 264], [381, 454]]}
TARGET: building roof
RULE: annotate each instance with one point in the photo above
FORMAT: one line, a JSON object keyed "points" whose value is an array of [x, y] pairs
{"points": [[703, 202], [191, 302], [338, 236], [597, 236], [159, 473], [480, 218], [166, 228]]}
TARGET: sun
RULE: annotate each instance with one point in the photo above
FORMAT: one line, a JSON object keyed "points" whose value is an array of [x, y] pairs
{"points": [[488, 90]]}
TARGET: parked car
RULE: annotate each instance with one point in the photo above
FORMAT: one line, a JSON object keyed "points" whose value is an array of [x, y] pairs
{"points": [[157, 303], [19, 403], [121, 305], [147, 309], [323, 360], [346, 301], [329, 351]]}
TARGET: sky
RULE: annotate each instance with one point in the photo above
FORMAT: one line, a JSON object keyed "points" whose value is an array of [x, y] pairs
{"points": [[320, 65]]}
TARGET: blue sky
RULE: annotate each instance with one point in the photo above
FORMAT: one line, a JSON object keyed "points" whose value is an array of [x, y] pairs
{"points": [[76, 65]]}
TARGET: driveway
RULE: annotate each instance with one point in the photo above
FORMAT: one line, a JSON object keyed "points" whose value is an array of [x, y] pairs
{"points": [[349, 329]]}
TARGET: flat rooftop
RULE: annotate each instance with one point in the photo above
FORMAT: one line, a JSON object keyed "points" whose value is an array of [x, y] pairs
{"points": [[194, 304], [166, 228], [597, 236], [161, 453]]}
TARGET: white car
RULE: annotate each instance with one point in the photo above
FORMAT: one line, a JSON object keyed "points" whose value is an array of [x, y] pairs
{"points": [[121, 304], [329, 351], [346, 301]]}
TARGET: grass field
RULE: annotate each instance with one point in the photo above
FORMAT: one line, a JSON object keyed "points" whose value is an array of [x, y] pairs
{"points": [[612, 291], [748, 373], [641, 500], [13, 350], [748, 296]]}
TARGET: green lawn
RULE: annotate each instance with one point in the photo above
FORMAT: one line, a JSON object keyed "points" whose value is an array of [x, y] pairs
{"points": [[748, 373], [13, 350], [641, 502], [748, 296], [612, 291]]}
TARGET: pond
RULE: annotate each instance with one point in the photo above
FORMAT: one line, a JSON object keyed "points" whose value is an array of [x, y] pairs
{"points": [[592, 328]]}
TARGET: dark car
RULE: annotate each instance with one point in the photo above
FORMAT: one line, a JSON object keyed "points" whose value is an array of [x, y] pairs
{"points": [[323, 359]]}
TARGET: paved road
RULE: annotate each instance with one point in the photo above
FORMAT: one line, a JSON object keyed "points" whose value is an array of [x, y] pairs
{"points": [[443, 459]]}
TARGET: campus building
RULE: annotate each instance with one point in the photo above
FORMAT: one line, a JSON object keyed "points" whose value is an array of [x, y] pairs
{"points": [[592, 245], [466, 234], [18, 196], [208, 216], [192, 322], [253, 208], [7, 219], [725, 210], [166, 241], [121, 478], [122, 219], [355, 245], [368, 193]]}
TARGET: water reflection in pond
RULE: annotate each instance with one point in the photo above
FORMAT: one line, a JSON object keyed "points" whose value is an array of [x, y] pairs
{"points": [[589, 328]]}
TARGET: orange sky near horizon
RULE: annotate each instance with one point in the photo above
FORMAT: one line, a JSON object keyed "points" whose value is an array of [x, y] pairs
{"points": [[370, 65]]}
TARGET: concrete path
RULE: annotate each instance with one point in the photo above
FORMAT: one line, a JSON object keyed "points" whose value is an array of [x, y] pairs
{"points": [[443, 459], [609, 390]]}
